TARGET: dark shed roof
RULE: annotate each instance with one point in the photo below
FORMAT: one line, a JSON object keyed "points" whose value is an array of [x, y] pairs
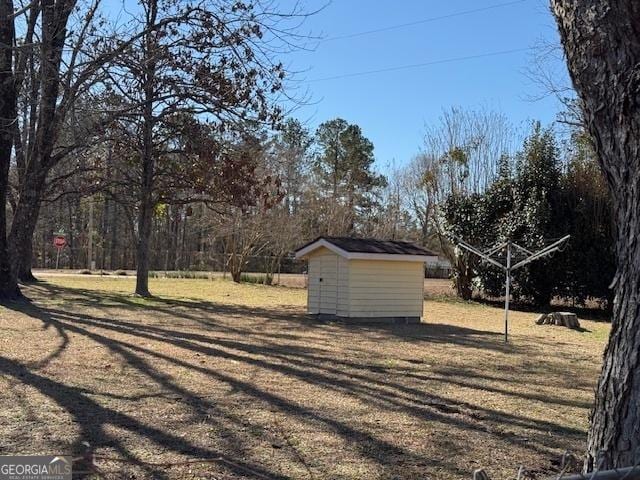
{"points": [[372, 245]]}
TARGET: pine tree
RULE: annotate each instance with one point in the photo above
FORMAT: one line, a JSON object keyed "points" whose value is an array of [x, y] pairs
{"points": [[344, 167]]}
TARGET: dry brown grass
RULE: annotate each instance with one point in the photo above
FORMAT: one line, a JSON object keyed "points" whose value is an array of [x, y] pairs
{"points": [[432, 286], [213, 370]]}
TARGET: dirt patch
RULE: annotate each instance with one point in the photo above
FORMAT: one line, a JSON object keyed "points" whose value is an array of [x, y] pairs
{"points": [[226, 381]]}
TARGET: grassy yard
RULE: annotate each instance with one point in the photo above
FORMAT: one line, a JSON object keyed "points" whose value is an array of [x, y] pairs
{"points": [[216, 380]]}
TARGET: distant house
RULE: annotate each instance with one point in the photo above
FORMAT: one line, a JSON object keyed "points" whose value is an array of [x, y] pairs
{"points": [[365, 279]]}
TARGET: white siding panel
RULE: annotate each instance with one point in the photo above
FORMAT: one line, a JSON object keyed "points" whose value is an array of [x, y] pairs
{"points": [[313, 288], [385, 289], [343, 287]]}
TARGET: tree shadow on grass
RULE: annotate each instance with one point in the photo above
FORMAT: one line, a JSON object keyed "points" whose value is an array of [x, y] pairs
{"points": [[267, 351], [93, 417], [290, 319]]}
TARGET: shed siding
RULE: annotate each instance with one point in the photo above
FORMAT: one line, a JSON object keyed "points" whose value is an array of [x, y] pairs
{"points": [[343, 287], [313, 288], [379, 288]]}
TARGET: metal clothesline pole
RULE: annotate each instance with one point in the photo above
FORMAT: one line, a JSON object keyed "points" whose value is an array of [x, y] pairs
{"points": [[506, 294], [508, 267]]}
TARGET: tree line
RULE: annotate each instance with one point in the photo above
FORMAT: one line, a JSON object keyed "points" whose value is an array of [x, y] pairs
{"points": [[474, 177], [310, 184]]}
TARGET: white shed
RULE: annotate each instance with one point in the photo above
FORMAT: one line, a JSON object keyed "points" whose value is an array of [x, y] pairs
{"points": [[365, 279]]}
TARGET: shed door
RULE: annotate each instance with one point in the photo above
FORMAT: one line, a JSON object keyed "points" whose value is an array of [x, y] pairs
{"points": [[328, 284]]}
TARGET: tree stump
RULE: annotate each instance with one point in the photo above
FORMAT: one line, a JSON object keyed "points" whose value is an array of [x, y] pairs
{"points": [[562, 319]]}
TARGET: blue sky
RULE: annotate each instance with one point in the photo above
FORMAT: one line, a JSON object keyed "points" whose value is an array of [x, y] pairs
{"points": [[393, 107]]}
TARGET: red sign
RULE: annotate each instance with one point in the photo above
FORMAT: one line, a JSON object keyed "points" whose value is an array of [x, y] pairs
{"points": [[59, 242]]}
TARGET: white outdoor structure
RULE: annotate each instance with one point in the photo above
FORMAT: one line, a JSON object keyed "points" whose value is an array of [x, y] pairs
{"points": [[509, 250], [365, 279]]}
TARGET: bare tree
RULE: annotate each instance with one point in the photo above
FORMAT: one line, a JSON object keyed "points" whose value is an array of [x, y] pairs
{"points": [[460, 157], [290, 161], [56, 63], [420, 198], [244, 237], [211, 60], [601, 41], [283, 234], [547, 71], [390, 218], [8, 283]]}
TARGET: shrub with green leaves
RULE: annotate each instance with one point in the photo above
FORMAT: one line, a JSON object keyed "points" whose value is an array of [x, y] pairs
{"points": [[533, 202]]}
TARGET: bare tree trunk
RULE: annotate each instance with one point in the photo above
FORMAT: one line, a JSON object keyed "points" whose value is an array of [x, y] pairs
{"points": [[54, 32], [464, 277], [235, 267], [8, 283], [142, 247], [104, 228], [602, 43], [145, 215], [113, 241], [25, 260], [71, 239], [23, 227]]}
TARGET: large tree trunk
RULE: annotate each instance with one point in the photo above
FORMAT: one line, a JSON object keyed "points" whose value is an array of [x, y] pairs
{"points": [[142, 248], [25, 260], [23, 226], [54, 32], [147, 205], [145, 214], [602, 44], [8, 283]]}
